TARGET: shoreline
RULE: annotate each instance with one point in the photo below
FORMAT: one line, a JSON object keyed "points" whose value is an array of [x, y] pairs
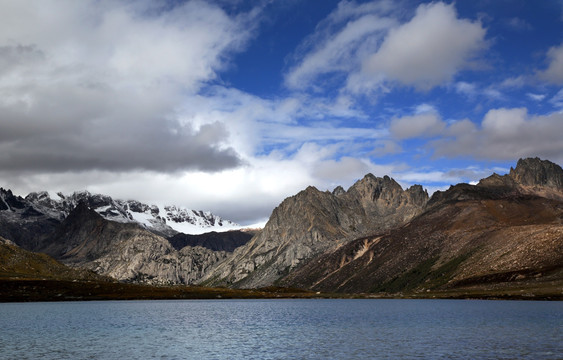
{"points": [[46, 290]]}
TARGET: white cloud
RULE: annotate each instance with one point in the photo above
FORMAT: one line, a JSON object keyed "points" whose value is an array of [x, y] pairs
{"points": [[513, 82], [554, 71], [518, 24], [493, 93], [245, 194], [96, 84], [465, 88], [504, 134], [420, 125], [386, 147], [557, 99], [428, 50], [338, 43], [256, 125], [501, 123], [536, 97]]}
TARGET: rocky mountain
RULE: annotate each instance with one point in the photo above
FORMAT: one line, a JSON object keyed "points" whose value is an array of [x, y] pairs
{"points": [[224, 241], [531, 176], [503, 232], [312, 222], [28, 221], [166, 220], [17, 263], [22, 223], [125, 251]]}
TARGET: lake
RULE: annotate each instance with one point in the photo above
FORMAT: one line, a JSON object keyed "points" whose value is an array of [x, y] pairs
{"points": [[282, 329]]}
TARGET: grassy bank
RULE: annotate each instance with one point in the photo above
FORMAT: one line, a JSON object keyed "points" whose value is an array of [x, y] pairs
{"points": [[24, 290]]}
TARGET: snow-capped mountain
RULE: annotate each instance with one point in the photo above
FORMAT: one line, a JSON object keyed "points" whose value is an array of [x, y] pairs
{"points": [[166, 220]]}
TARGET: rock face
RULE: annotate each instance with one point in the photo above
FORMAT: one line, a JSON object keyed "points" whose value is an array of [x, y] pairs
{"points": [[17, 263], [531, 176], [29, 221], [23, 223], [125, 251], [537, 173], [225, 241], [311, 222], [166, 221], [501, 232]]}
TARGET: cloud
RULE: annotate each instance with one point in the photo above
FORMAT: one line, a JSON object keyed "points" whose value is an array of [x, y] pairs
{"points": [[257, 126], [362, 48], [513, 82], [557, 99], [246, 194], [339, 42], [518, 24], [554, 71], [504, 134], [428, 50], [465, 88], [420, 125], [97, 85], [536, 97], [386, 147]]}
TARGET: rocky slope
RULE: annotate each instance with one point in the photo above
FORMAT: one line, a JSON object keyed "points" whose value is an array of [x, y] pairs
{"points": [[22, 223], [28, 221], [125, 251], [17, 263], [503, 232], [224, 241], [311, 222], [166, 221]]}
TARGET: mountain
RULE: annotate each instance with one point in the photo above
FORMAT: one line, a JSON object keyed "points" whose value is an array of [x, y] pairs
{"points": [[125, 251], [17, 263], [311, 222], [28, 221], [166, 220], [504, 233], [23, 223], [225, 241]]}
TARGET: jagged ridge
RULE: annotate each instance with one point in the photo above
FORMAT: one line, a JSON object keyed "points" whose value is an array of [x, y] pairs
{"points": [[125, 251], [312, 221], [502, 231]]}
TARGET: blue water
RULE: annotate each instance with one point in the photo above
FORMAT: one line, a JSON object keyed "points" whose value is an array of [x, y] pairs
{"points": [[282, 329]]}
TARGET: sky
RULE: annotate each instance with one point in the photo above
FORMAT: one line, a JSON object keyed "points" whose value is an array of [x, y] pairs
{"points": [[232, 106]]}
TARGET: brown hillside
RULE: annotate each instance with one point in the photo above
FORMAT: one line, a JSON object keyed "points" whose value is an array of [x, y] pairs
{"points": [[459, 243]]}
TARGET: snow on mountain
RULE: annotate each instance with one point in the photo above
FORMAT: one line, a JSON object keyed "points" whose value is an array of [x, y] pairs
{"points": [[166, 220]]}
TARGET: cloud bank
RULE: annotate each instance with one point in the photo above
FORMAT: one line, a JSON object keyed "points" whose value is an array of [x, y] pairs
{"points": [[97, 85]]}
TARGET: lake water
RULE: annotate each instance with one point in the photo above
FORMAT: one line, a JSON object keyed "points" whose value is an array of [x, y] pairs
{"points": [[282, 329]]}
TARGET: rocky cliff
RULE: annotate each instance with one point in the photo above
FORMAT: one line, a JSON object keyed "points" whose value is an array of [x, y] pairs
{"points": [[311, 222], [531, 176], [29, 221], [22, 223], [502, 233], [125, 251], [165, 220], [224, 241], [17, 263]]}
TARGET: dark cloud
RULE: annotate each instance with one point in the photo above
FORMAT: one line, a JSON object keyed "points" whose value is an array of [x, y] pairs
{"points": [[104, 94], [111, 143]]}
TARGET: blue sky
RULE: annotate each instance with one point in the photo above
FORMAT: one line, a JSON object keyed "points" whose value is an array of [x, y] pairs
{"points": [[231, 106]]}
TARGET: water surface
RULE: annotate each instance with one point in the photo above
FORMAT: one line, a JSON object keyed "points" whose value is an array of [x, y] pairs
{"points": [[282, 329]]}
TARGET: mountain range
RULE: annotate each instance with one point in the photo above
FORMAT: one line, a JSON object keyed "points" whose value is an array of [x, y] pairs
{"points": [[502, 235], [125, 240]]}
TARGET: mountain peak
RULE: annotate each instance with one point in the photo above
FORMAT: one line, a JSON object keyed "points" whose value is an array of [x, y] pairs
{"points": [[536, 172]]}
